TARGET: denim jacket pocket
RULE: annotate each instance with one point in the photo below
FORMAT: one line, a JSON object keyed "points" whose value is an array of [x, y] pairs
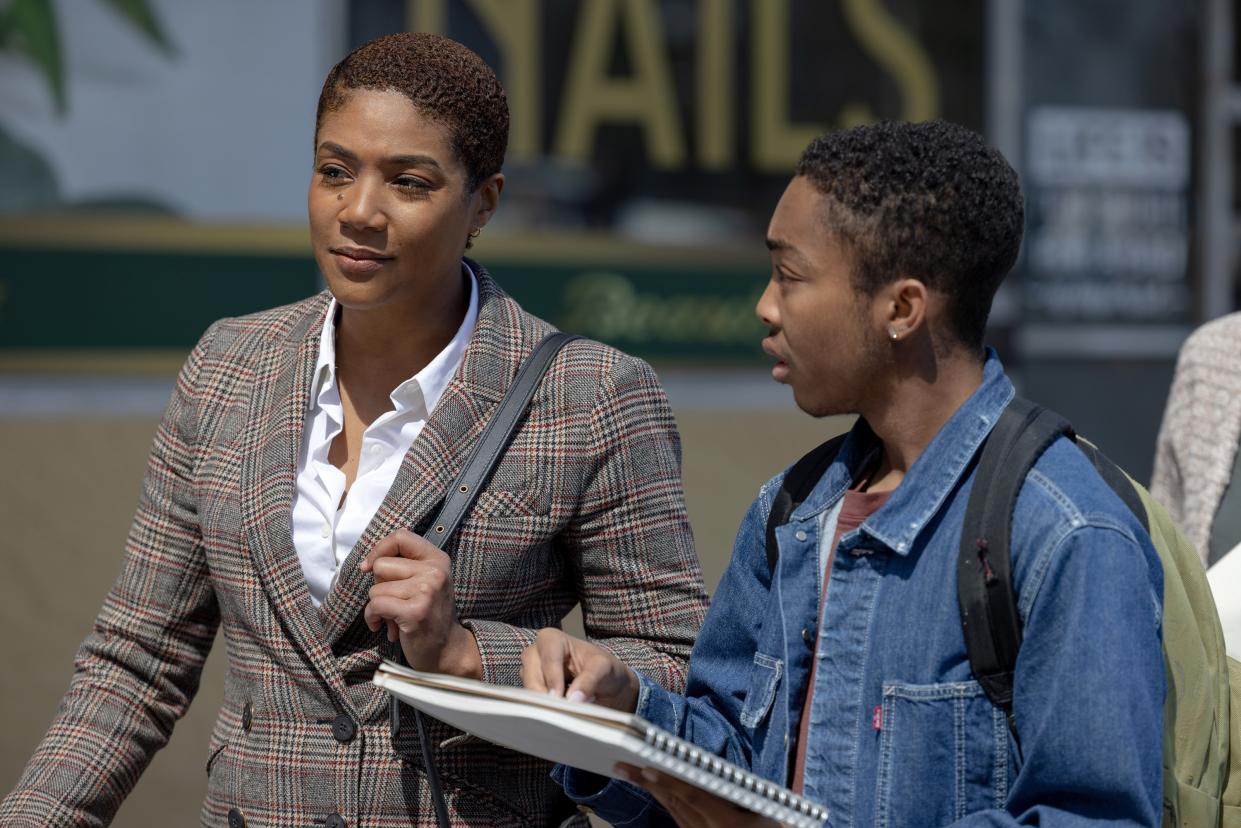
{"points": [[764, 678], [943, 753]]}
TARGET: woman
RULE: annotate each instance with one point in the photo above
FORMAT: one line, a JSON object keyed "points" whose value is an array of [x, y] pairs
{"points": [[303, 450]]}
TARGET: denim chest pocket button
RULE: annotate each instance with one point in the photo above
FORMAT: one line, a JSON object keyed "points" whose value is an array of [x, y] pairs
{"points": [[800, 535]]}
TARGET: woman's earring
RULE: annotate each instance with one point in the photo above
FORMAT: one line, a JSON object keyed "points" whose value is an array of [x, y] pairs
{"points": [[476, 232], [892, 334]]}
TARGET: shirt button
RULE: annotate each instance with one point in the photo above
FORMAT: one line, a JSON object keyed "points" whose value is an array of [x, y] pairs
{"points": [[343, 729], [375, 448], [326, 531], [801, 536]]}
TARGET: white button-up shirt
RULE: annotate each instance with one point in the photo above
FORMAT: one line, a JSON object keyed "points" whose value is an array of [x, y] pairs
{"points": [[325, 529]]}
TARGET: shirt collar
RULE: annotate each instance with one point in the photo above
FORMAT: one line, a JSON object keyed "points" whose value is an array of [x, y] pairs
{"points": [[426, 386], [933, 475]]}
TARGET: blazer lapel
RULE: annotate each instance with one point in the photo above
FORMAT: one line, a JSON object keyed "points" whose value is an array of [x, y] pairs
{"points": [[487, 367], [269, 479]]}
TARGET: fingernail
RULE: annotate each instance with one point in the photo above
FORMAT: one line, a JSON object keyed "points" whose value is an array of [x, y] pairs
{"points": [[577, 696]]}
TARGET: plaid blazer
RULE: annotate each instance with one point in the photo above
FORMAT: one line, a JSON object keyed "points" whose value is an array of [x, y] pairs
{"points": [[586, 506]]}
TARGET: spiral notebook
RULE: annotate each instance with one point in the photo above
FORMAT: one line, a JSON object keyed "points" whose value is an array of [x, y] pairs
{"points": [[589, 737]]}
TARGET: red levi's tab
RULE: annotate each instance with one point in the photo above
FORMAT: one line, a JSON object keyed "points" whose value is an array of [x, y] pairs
{"points": [[876, 717]]}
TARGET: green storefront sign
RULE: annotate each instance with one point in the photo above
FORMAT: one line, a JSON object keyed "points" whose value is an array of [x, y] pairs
{"points": [[80, 299]]}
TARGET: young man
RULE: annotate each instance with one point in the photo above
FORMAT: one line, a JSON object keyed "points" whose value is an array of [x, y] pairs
{"points": [[844, 672]]}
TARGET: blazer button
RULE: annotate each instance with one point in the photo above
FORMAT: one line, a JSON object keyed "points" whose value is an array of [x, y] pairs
{"points": [[235, 819], [247, 717], [343, 729], [335, 821]]}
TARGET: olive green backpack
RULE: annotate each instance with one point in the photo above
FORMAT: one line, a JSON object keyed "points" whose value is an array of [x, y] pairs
{"points": [[1202, 710], [1202, 734]]}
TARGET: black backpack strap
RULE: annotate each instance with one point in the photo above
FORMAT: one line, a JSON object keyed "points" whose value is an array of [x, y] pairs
{"points": [[989, 618], [797, 485], [1117, 480]]}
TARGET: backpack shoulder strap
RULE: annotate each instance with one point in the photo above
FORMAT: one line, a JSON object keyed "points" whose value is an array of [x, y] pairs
{"points": [[989, 618], [1117, 481], [797, 485]]}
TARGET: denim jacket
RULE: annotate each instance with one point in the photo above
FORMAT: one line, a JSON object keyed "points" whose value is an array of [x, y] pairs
{"points": [[900, 733]]}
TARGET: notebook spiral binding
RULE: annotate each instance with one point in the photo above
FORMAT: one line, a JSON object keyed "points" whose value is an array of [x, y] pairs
{"points": [[663, 747]]}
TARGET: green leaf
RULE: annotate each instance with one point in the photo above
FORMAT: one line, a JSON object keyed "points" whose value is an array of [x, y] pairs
{"points": [[140, 14], [6, 28], [30, 26]]}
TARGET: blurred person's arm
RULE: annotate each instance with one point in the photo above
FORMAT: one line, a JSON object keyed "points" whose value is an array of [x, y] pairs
{"points": [[1196, 450]]}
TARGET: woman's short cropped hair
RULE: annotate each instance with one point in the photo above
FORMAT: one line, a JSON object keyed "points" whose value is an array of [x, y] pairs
{"points": [[445, 82]]}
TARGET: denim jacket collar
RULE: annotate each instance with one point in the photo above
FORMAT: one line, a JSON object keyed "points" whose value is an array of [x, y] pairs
{"points": [[931, 478]]}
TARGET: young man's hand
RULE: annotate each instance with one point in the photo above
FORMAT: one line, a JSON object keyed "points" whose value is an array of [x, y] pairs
{"points": [[591, 672], [692, 807]]}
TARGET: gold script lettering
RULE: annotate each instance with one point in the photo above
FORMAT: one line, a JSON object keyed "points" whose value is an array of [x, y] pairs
{"points": [[606, 306]]}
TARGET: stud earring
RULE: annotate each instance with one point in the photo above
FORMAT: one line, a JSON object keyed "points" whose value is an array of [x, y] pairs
{"points": [[892, 334], [476, 232]]}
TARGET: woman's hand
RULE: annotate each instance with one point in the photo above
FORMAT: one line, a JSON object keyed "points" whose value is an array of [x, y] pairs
{"points": [[413, 596], [692, 807], [593, 673]]}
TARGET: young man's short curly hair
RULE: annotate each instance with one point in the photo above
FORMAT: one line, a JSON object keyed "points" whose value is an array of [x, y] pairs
{"points": [[931, 201], [444, 80]]}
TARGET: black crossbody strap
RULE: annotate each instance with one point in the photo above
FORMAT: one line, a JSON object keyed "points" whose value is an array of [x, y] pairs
{"points": [[797, 485], [495, 439], [989, 618], [457, 502]]}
